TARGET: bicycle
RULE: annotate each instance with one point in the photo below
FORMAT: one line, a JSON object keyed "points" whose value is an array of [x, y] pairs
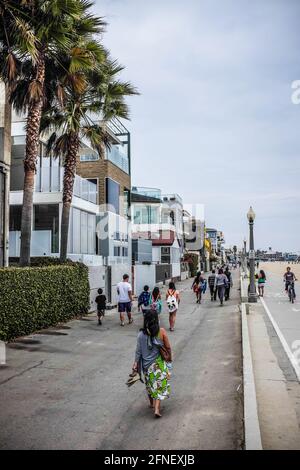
{"points": [[291, 292]]}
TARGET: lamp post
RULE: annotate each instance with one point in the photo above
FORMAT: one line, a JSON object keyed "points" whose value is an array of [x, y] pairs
{"points": [[252, 297]]}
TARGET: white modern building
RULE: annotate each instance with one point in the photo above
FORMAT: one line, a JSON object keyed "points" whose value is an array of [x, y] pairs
{"points": [[98, 233]]}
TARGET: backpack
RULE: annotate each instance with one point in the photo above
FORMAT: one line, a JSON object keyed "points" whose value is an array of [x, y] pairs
{"points": [[156, 305], [144, 299], [172, 302]]}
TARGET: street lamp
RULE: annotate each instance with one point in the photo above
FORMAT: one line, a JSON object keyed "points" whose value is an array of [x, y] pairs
{"points": [[252, 297]]}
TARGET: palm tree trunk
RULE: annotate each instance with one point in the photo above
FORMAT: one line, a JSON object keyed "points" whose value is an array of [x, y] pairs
{"points": [[31, 154], [68, 185]]}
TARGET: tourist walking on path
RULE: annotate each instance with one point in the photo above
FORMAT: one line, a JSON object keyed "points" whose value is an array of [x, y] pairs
{"points": [[156, 303], [211, 285], [144, 300], [220, 284], [154, 362], [101, 305], [229, 283], [173, 301], [261, 283], [124, 291], [197, 286]]}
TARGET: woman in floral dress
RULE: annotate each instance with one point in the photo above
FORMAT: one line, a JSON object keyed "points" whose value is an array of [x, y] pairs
{"points": [[149, 360]]}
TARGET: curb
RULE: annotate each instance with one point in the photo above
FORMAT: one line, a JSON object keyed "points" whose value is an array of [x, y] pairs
{"points": [[251, 421]]}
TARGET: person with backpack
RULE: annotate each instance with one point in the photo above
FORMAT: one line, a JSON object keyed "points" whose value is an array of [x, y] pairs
{"points": [[197, 286], [144, 300], [173, 300], [156, 303]]}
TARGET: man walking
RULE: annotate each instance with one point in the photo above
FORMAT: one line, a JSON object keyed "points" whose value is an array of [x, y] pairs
{"points": [[124, 290], [229, 283], [211, 284]]}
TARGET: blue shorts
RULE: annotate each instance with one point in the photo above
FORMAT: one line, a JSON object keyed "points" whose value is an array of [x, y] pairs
{"points": [[124, 307]]}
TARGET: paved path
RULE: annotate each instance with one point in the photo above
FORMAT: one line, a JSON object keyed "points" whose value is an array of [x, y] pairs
{"points": [[65, 388], [286, 314]]}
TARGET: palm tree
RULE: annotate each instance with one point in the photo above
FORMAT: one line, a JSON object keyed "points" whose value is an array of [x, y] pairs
{"points": [[35, 32], [87, 93]]}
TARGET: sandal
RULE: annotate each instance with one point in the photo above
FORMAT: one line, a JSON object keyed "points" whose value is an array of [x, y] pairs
{"points": [[130, 321]]}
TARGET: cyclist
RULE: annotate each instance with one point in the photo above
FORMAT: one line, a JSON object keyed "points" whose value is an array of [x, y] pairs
{"points": [[289, 278]]}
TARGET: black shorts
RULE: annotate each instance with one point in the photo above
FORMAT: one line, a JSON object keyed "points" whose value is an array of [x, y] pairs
{"points": [[124, 307]]}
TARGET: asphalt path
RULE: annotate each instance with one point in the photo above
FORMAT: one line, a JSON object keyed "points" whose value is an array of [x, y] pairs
{"points": [[64, 388]]}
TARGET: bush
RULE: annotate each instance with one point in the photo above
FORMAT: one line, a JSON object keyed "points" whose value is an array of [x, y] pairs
{"points": [[38, 297]]}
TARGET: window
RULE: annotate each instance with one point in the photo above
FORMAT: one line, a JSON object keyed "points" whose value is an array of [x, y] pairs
{"points": [[116, 251], [15, 214], [89, 157], [46, 217], [165, 255], [124, 251], [112, 195]]}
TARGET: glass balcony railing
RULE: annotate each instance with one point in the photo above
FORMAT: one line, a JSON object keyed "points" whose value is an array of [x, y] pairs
{"points": [[117, 154], [85, 189], [150, 192], [50, 179]]}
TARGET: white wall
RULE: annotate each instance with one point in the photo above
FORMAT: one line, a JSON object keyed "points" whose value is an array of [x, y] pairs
{"points": [[156, 254], [97, 279], [117, 271], [143, 275], [176, 271]]}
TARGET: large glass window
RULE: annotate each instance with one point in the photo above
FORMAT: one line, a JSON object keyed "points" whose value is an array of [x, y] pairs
{"points": [[113, 195], [83, 234], [15, 214], [165, 255], [76, 230], [46, 217]]}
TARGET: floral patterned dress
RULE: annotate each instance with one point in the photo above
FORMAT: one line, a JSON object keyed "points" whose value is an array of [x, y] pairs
{"points": [[157, 380]]}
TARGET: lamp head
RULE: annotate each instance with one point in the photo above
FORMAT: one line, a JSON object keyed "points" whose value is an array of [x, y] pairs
{"points": [[251, 214]]}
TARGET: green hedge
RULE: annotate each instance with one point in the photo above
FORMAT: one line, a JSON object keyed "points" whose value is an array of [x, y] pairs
{"points": [[38, 297]]}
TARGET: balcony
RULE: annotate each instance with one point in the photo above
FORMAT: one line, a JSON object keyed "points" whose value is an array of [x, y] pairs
{"points": [[149, 192], [117, 154]]}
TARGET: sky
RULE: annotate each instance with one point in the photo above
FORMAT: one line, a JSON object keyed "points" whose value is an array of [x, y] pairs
{"points": [[215, 121]]}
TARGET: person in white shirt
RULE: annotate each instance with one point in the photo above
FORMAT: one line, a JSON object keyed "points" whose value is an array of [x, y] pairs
{"points": [[124, 290]]}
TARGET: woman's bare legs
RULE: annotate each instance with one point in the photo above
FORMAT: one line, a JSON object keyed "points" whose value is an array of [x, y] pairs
{"points": [[172, 318], [157, 408], [151, 402]]}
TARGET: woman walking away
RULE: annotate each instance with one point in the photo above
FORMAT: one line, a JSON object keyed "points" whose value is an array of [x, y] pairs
{"points": [[148, 358], [173, 300], [261, 283], [156, 303], [220, 284], [197, 287]]}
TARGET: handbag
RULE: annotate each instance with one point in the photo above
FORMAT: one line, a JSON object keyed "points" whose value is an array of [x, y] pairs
{"points": [[165, 353]]}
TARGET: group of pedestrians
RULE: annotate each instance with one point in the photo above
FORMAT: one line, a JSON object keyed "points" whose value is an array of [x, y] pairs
{"points": [[219, 284]]}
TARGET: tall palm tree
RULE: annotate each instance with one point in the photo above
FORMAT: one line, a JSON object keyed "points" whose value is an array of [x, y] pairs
{"points": [[36, 31], [87, 93]]}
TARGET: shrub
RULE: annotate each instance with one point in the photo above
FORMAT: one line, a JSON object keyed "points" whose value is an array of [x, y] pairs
{"points": [[38, 297]]}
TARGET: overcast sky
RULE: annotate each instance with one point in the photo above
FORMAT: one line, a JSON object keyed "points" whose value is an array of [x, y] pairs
{"points": [[215, 121]]}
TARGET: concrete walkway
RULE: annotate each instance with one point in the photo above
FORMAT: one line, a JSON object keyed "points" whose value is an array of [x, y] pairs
{"points": [[65, 388], [276, 384]]}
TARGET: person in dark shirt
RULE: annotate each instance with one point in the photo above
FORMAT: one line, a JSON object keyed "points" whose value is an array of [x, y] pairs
{"points": [[101, 305]]}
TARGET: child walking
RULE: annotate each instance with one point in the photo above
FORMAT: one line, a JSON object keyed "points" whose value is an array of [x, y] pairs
{"points": [[101, 305]]}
